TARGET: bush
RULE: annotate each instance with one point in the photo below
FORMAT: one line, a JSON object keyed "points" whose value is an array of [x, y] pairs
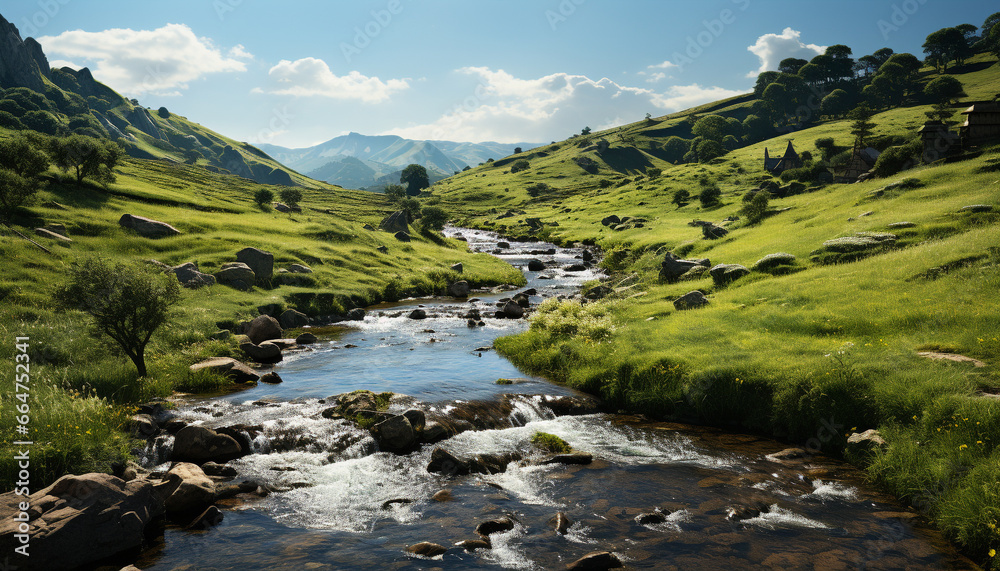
{"points": [[605, 183], [653, 172], [550, 443], [710, 197], [520, 165], [756, 209], [537, 189], [681, 197], [434, 218], [291, 196], [709, 149], [675, 148], [41, 121], [897, 159], [263, 196], [9, 121]]}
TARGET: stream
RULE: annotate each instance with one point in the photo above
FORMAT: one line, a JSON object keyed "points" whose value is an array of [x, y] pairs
{"points": [[658, 495]]}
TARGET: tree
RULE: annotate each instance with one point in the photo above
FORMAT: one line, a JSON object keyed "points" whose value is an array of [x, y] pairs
{"points": [[41, 121], [263, 196], [827, 147], [87, 157], [411, 206], [791, 65], [395, 192], [519, 165], [763, 80], [836, 103], [969, 31], [415, 178], [585, 131], [714, 127], [128, 303], [993, 39], [517, 150], [681, 197], [675, 148], [291, 196], [709, 197], [943, 89], [653, 172], [991, 21], [710, 149], [757, 128], [434, 218], [779, 100], [755, 210], [862, 124], [945, 45]]}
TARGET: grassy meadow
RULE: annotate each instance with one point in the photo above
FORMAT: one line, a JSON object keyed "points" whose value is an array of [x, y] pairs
{"points": [[809, 352]]}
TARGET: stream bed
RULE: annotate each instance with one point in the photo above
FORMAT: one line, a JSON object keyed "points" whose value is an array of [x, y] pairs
{"points": [[657, 495]]}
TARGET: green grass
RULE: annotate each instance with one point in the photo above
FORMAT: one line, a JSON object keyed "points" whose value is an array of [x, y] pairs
{"points": [[830, 340]]}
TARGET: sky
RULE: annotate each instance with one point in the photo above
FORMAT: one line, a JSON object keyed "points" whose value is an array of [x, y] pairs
{"points": [[297, 73]]}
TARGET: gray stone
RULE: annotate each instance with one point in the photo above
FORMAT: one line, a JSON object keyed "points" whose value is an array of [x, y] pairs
{"points": [[417, 314], [264, 328], [864, 442], [723, 274], [609, 220], [691, 300], [281, 207], [402, 236], [219, 470], [977, 208], [261, 262], [356, 314], [80, 520], [211, 517], [713, 231], [228, 367], [417, 419], [147, 227], [511, 310], [535, 265], [395, 434], [195, 490], [305, 339], [459, 289], [458, 267], [446, 463], [299, 269], [198, 444], [143, 426], [189, 276], [427, 549], [489, 527], [672, 268], [292, 319], [237, 274], [576, 268], [271, 378], [596, 561], [266, 352], [398, 221]]}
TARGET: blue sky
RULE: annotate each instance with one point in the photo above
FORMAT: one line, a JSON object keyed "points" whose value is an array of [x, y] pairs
{"points": [[300, 72]]}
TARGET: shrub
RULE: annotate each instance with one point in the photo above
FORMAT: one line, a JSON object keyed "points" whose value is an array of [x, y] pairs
{"points": [[899, 158], [291, 196], [709, 149], [41, 121], [771, 261], [605, 183], [537, 189], [263, 196], [756, 209], [710, 197], [520, 165], [653, 172], [434, 218], [681, 197]]}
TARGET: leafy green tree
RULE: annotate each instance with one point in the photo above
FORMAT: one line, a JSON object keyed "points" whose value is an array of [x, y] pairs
{"points": [[791, 65], [780, 101], [945, 45], [411, 206], [675, 148], [585, 131], [415, 178], [433, 218], [128, 303], [291, 196], [944, 88], [757, 128], [653, 172], [827, 147], [836, 103], [710, 149], [681, 197], [993, 39], [395, 192], [714, 127], [755, 210], [862, 124], [763, 80], [710, 196], [41, 121], [263, 196], [87, 157]]}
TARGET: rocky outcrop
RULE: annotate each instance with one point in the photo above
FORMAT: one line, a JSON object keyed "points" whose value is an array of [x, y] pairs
{"points": [[80, 520], [398, 221], [22, 62], [264, 328], [198, 445], [535, 265], [261, 262], [229, 367], [396, 434], [672, 267], [195, 491], [356, 314], [189, 276], [459, 289], [292, 319], [299, 269], [233, 161], [147, 227], [512, 310], [140, 118], [402, 236], [427, 549]]}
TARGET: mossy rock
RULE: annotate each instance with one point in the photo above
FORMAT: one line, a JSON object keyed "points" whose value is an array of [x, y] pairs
{"points": [[550, 443]]}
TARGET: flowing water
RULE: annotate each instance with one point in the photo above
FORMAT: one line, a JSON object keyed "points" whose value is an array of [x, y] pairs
{"points": [[339, 503]]}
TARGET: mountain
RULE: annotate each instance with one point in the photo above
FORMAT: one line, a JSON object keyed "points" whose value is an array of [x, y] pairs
{"points": [[67, 101], [383, 155]]}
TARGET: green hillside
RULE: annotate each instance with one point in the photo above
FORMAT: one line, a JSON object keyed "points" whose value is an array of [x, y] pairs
{"points": [[830, 338]]}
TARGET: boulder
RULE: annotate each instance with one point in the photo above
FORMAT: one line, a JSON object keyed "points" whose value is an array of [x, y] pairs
{"points": [[863, 443], [271, 378], [457, 267], [266, 352], [231, 368], [398, 221], [690, 300], [292, 319], [46, 233], [573, 458], [147, 227], [442, 496], [503, 245], [433, 432], [587, 256], [395, 434], [189, 276], [723, 274], [599, 292], [195, 490], [474, 544], [609, 220], [576, 268], [79, 520], [281, 207], [713, 231], [596, 561], [672, 268], [219, 470], [417, 418], [299, 269], [306, 339], [560, 523], [417, 314], [427, 549], [198, 444], [236, 274], [264, 328], [977, 208], [211, 517], [143, 426], [535, 265], [356, 314], [489, 527], [261, 262], [650, 518], [402, 236], [511, 310], [459, 289], [446, 463]]}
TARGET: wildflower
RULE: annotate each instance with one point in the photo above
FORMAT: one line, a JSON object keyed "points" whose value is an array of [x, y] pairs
{"points": [[963, 447], [993, 552]]}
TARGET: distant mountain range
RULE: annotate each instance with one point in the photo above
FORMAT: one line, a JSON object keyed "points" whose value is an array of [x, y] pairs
{"points": [[366, 161]]}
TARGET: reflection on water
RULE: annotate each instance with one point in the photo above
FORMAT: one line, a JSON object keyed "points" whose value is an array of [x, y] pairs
{"points": [[341, 504]]}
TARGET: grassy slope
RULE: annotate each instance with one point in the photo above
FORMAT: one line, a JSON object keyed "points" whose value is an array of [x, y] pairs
{"points": [[786, 354], [82, 389]]}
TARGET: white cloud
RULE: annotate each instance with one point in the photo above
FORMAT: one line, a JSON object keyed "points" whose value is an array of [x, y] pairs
{"points": [[667, 64], [772, 48], [311, 77], [505, 108], [136, 62], [239, 51], [658, 76]]}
